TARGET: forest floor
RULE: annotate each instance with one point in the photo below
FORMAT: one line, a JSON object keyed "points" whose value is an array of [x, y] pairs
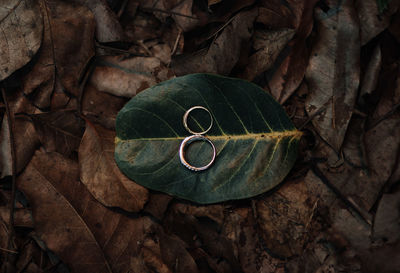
{"points": [[68, 67]]}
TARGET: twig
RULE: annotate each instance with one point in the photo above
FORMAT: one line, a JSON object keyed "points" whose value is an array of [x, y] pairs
{"points": [[178, 37], [13, 168], [222, 27], [155, 3], [167, 12], [333, 113], [119, 50], [122, 9], [313, 115], [141, 43], [8, 250]]}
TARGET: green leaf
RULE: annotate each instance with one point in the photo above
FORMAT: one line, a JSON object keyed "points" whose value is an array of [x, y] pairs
{"points": [[255, 140]]}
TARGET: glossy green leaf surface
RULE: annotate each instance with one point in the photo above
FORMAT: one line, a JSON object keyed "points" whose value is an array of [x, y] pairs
{"points": [[255, 140]]}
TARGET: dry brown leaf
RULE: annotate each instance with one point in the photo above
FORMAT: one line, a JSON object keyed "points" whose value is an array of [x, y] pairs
{"points": [[224, 12], [333, 71], [382, 149], [275, 14], [141, 26], [291, 72], [359, 174], [214, 212], [157, 204], [100, 174], [82, 232], [127, 77], [201, 232], [286, 218], [108, 29], [241, 228], [152, 256], [187, 22], [371, 75], [101, 107], [215, 59], [162, 52], [66, 50], [386, 223], [389, 89], [174, 254], [267, 44], [394, 27], [213, 2], [371, 21], [385, 259], [59, 131], [22, 27], [356, 231], [25, 137], [22, 217]]}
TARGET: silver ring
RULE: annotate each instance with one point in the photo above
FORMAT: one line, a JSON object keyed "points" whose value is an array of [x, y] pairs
{"points": [[185, 117], [182, 149]]}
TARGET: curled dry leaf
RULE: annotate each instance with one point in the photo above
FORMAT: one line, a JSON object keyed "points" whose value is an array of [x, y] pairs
{"points": [[59, 131], [215, 59], [86, 236], [21, 36], [290, 73], [204, 236], [127, 77], [66, 50], [108, 29], [333, 71], [101, 175], [372, 22], [286, 218], [287, 78], [267, 44]]}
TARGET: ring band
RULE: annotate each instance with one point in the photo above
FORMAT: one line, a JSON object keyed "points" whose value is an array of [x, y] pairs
{"points": [[186, 115], [189, 140]]}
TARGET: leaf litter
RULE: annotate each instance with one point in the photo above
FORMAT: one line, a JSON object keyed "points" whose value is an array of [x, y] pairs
{"points": [[335, 70]]}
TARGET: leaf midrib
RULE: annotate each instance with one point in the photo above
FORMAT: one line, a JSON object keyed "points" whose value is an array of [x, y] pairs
{"points": [[260, 136]]}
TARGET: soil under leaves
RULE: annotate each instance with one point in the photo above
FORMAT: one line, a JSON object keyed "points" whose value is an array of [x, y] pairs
{"points": [[68, 67]]}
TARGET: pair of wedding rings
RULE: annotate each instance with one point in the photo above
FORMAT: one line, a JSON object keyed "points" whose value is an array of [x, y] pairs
{"points": [[196, 136]]}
